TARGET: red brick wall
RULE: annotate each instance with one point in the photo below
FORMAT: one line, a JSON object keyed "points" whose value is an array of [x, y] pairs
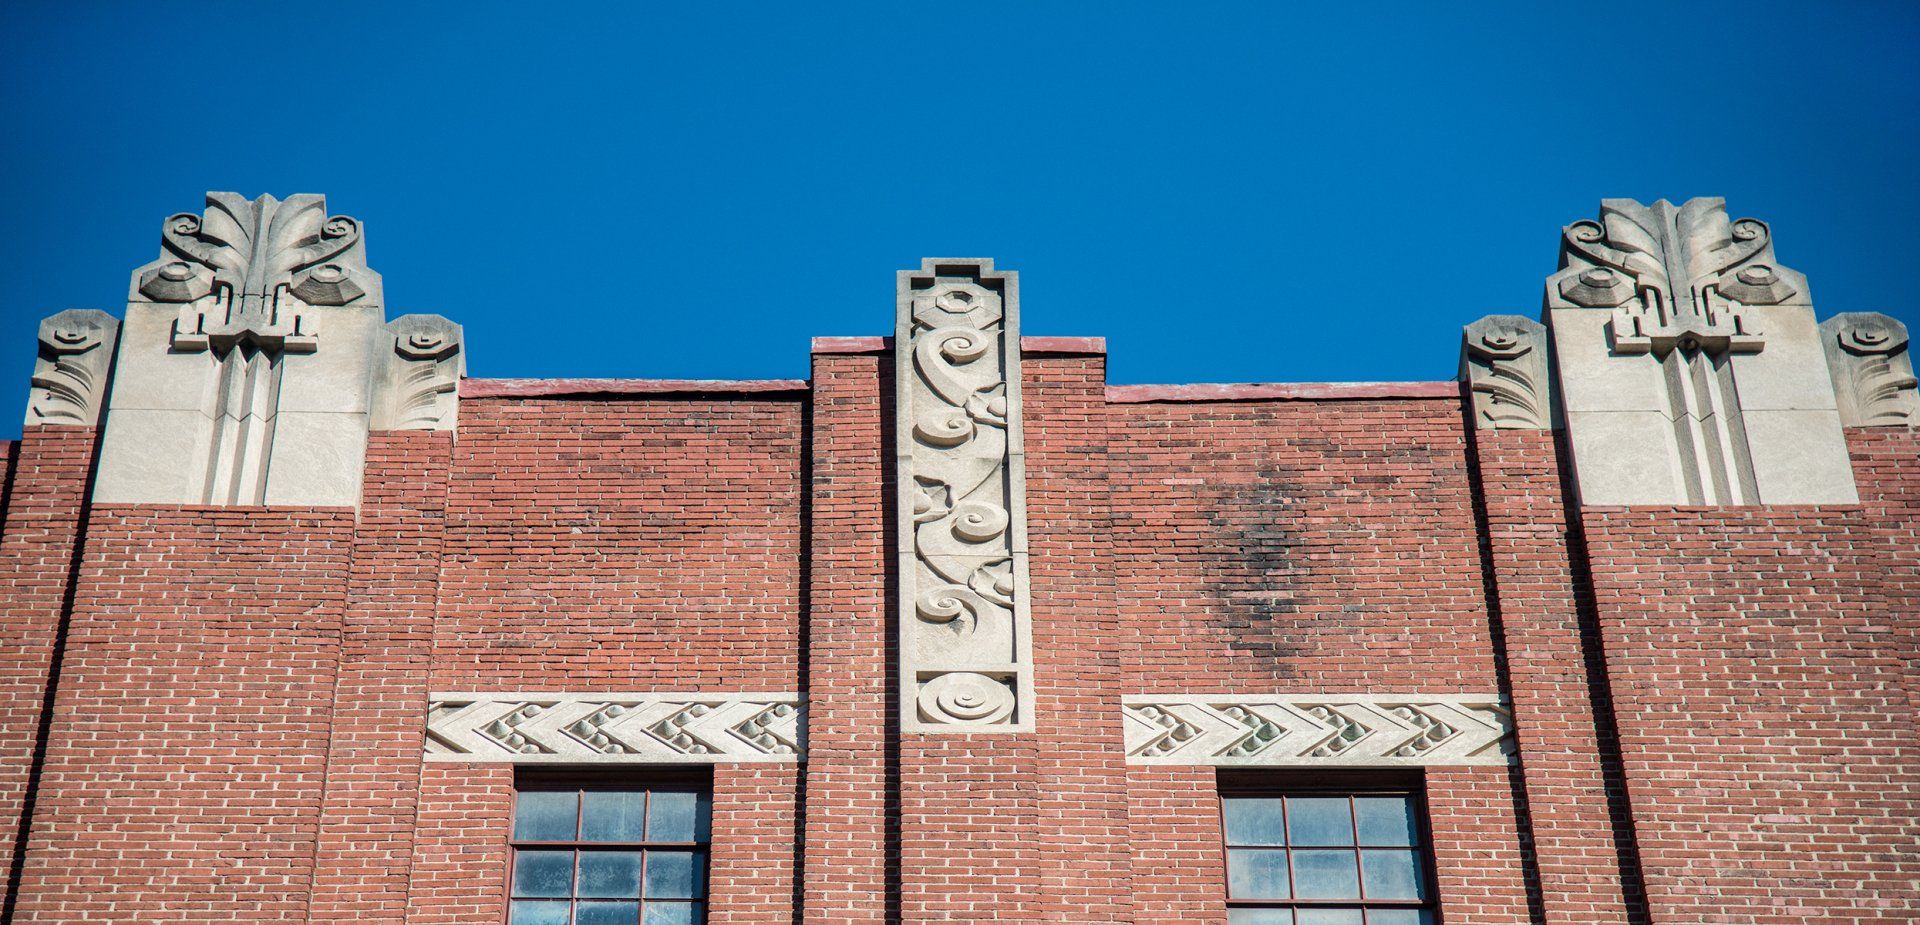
{"points": [[622, 545], [1770, 749], [46, 483], [184, 772]]}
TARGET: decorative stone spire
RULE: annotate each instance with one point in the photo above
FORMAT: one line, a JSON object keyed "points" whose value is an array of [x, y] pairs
{"points": [[255, 356], [965, 640], [1689, 365]]}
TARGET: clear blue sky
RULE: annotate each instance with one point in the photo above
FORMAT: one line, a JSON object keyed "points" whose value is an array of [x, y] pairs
{"points": [[1227, 192]]}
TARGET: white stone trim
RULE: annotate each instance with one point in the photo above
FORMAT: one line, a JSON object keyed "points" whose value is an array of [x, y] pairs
{"points": [[1318, 730], [616, 728]]}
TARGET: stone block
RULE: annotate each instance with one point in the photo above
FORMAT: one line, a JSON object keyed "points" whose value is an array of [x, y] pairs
{"points": [[317, 458], [1800, 457], [150, 375], [338, 375], [1626, 457], [1592, 377], [153, 456], [1790, 372]]}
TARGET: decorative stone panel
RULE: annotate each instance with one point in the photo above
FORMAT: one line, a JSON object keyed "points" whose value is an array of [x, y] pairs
{"points": [[419, 382], [1319, 730], [965, 641], [1872, 369], [1689, 367], [615, 728], [70, 375], [1503, 359]]}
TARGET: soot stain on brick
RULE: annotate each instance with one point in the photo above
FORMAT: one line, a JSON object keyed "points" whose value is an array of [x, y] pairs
{"points": [[1255, 588]]}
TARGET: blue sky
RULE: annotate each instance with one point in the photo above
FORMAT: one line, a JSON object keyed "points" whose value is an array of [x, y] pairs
{"points": [[1227, 192]]}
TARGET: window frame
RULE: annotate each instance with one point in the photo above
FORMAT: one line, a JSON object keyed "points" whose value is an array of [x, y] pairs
{"points": [[535, 780], [1236, 786]]}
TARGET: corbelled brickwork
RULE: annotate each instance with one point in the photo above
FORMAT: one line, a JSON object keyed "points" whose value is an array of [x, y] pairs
{"points": [[954, 630]]}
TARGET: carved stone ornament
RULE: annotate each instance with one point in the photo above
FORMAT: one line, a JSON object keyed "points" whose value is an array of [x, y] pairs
{"points": [[1673, 276], [964, 637], [1872, 369], [616, 728], [1325, 730], [419, 382], [247, 271], [1503, 358], [70, 375]]}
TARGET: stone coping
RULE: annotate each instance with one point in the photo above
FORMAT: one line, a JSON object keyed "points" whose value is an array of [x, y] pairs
{"points": [[1280, 391], [535, 388], [1027, 344]]}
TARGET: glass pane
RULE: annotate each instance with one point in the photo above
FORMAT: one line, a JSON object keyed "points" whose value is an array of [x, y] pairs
{"points": [[538, 913], [1325, 875], [677, 816], [1386, 821], [1254, 821], [609, 873], [1393, 875], [674, 914], [1255, 873], [1399, 917], [611, 815], [1259, 917], [675, 875], [544, 815], [608, 914], [1329, 917], [543, 873], [1319, 821]]}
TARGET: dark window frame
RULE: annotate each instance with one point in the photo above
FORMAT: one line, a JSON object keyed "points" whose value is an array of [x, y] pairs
{"points": [[1239, 784], [538, 780]]}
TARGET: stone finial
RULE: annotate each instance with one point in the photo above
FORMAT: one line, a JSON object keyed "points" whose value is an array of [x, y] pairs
{"points": [[965, 640], [1872, 369], [1658, 317], [1673, 276], [418, 388], [247, 271], [70, 376], [1503, 359]]}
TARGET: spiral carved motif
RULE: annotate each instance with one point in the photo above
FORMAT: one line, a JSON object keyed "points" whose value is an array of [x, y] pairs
{"points": [[965, 697]]}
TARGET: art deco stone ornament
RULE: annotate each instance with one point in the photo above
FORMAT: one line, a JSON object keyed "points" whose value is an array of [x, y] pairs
{"points": [[247, 360], [1871, 364], [616, 728], [1689, 365], [1386, 730], [419, 385], [1503, 359], [70, 375], [964, 637]]}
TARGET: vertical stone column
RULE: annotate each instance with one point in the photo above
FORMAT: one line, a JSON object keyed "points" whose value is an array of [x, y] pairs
{"points": [[44, 507], [851, 803]]}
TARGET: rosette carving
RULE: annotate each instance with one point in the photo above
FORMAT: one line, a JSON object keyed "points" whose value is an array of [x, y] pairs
{"points": [[1673, 276], [963, 631]]}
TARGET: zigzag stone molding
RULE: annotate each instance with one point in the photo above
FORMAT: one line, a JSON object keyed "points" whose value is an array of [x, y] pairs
{"points": [[536, 728], [1318, 730]]}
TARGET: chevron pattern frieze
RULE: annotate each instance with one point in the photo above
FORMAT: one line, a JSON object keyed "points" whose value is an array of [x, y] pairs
{"points": [[616, 728], [1383, 730]]}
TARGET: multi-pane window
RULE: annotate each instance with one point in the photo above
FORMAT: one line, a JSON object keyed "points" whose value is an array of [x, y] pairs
{"points": [[595, 856], [1318, 857]]}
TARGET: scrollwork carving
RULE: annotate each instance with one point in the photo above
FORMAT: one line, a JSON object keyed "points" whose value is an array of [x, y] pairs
{"points": [[1871, 363], [70, 374], [418, 388], [615, 728], [963, 634], [1503, 360], [1365, 730]]}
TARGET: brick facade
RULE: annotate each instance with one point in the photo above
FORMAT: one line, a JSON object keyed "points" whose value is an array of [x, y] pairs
{"points": [[215, 714]]}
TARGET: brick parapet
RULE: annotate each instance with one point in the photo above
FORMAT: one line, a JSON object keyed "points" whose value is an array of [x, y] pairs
{"points": [[44, 503]]}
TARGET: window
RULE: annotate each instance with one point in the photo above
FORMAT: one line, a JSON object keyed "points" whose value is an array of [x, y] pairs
{"points": [[1327, 857], [604, 856]]}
